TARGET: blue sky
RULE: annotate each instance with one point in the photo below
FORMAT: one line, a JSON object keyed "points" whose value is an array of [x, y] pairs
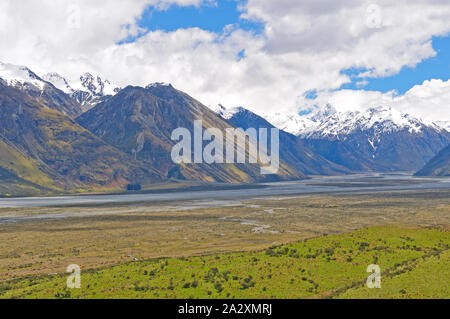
{"points": [[437, 67], [214, 17]]}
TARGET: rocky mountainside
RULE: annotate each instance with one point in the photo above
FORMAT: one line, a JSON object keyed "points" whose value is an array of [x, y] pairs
{"points": [[292, 149], [380, 139], [24, 79], [88, 91], [22, 175], [43, 147], [438, 165], [139, 121]]}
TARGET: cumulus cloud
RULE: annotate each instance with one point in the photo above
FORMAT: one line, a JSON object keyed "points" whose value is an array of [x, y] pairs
{"points": [[429, 100], [305, 46]]}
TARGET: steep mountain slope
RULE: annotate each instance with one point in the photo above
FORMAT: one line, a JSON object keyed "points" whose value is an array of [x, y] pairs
{"points": [[88, 91], [46, 93], [379, 139], [57, 147], [438, 166], [21, 175], [140, 121], [292, 149]]}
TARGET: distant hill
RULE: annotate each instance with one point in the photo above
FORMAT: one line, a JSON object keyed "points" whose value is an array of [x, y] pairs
{"points": [[437, 166], [139, 121], [292, 149]]}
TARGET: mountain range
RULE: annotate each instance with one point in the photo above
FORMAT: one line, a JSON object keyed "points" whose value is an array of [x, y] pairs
{"points": [[61, 136], [45, 147], [380, 139], [140, 121], [292, 149]]}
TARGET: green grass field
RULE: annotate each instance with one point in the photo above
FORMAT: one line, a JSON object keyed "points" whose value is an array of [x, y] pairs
{"points": [[414, 264]]}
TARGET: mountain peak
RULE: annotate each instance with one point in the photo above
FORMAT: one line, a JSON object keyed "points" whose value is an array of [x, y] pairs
{"points": [[327, 121], [227, 113], [88, 90], [58, 81], [87, 76], [159, 85], [96, 85], [15, 75]]}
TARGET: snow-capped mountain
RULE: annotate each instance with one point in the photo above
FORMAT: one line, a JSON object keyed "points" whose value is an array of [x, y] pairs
{"points": [[88, 90], [226, 113], [20, 76], [378, 139], [291, 149], [158, 85], [444, 124], [58, 81], [301, 125], [328, 122]]}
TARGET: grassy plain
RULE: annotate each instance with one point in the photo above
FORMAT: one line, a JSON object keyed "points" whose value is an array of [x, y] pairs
{"points": [[224, 252]]}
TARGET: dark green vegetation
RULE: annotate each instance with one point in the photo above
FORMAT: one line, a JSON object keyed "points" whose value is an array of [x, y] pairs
{"points": [[438, 166], [414, 264]]}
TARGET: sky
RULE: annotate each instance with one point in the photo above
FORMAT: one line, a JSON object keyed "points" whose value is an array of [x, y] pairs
{"points": [[268, 56]]}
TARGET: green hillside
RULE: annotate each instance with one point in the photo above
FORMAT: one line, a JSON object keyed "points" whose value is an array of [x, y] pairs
{"points": [[413, 262]]}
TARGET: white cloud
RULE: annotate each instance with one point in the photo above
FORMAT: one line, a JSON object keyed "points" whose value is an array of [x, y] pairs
{"points": [[305, 46], [429, 100]]}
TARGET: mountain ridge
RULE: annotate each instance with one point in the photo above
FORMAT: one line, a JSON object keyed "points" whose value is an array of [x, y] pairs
{"points": [[140, 121], [438, 165], [24, 79], [88, 91], [61, 149], [379, 139], [292, 149], [93, 134]]}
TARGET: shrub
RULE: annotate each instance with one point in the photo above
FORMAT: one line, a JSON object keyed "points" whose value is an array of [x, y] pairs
{"points": [[247, 283], [218, 286]]}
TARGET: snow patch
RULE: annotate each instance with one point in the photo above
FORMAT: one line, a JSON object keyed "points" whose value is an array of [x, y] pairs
{"points": [[15, 75], [327, 122]]}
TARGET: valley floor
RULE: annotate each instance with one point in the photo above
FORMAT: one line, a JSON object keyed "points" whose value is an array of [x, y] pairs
{"points": [[290, 247]]}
